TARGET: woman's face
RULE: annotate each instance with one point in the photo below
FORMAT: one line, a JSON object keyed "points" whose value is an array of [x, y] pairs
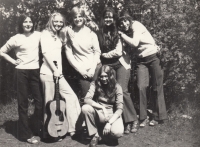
{"points": [[124, 24], [27, 25], [108, 19], [58, 22], [104, 78], [78, 20]]}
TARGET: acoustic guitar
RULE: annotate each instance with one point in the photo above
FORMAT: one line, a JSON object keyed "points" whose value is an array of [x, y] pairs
{"points": [[58, 125]]}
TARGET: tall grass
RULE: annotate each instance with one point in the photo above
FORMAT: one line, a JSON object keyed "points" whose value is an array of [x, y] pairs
{"points": [[9, 111]]}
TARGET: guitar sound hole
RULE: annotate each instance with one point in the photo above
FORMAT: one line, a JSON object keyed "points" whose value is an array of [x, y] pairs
{"points": [[60, 115]]}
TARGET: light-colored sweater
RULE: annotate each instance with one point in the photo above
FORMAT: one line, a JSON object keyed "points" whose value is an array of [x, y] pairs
{"points": [[26, 49], [147, 44], [51, 47], [83, 51]]}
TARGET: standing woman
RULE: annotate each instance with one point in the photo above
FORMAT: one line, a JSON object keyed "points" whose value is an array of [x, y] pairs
{"points": [[104, 106], [51, 50], [26, 47], [82, 50], [114, 56], [136, 35]]}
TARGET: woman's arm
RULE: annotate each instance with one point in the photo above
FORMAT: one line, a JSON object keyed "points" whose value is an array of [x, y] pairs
{"points": [[8, 58], [137, 32], [119, 105], [96, 48], [10, 44], [117, 52], [46, 51], [97, 53]]}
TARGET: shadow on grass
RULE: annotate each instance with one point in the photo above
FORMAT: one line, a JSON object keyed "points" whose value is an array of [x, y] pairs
{"points": [[10, 127]]}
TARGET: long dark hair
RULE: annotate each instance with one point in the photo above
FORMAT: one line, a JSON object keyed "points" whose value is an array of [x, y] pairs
{"points": [[21, 21], [125, 16], [110, 88], [108, 44]]}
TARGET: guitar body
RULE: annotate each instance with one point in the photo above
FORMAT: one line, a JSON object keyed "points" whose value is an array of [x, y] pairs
{"points": [[58, 125]]}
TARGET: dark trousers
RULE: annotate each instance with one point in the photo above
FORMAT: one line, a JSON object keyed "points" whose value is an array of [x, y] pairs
{"points": [[146, 67], [84, 84], [28, 79], [123, 76]]}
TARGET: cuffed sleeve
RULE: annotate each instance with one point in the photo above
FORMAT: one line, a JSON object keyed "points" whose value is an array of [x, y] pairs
{"points": [[97, 51], [117, 52], [119, 100], [90, 94], [10, 44]]}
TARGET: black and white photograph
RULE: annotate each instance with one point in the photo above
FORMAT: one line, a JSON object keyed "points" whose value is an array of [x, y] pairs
{"points": [[100, 73]]}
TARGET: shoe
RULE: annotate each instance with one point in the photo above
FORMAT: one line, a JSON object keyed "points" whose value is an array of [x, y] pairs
{"points": [[144, 123], [94, 141], [32, 140], [127, 129], [153, 122], [134, 127]]}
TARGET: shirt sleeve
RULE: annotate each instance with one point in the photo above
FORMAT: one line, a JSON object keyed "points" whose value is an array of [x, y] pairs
{"points": [[97, 51], [117, 52], [10, 44], [138, 27], [119, 100], [90, 94], [44, 41]]}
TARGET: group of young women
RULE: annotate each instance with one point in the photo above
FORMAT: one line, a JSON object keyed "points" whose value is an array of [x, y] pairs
{"points": [[102, 67]]}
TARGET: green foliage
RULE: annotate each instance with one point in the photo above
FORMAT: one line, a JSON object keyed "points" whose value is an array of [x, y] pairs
{"points": [[174, 24]]}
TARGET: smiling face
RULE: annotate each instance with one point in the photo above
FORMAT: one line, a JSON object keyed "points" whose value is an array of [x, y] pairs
{"points": [[104, 78], [27, 25], [58, 22], [124, 24], [108, 18], [78, 20]]}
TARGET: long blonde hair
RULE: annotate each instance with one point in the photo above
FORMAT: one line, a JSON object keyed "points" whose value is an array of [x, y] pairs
{"points": [[50, 27]]}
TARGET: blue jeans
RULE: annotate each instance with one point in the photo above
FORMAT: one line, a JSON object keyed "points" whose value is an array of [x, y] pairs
{"points": [[28, 78], [123, 77], [150, 67]]}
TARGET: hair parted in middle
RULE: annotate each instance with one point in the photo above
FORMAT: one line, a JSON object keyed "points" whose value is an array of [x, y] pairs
{"points": [[21, 20], [110, 88], [108, 44], [49, 25], [75, 11]]}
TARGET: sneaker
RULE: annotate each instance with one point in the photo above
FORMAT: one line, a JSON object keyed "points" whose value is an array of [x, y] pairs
{"points": [[94, 141], [32, 140], [153, 122], [134, 127], [127, 129], [144, 123]]}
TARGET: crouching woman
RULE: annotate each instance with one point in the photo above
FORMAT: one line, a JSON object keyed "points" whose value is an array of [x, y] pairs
{"points": [[104, 106]]}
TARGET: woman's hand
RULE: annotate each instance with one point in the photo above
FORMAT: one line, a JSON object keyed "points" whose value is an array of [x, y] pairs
{"points": [[18, 61], [120, 33], [106, 129], [84, 74], [56, 75], [103, 55], [91, 72]]}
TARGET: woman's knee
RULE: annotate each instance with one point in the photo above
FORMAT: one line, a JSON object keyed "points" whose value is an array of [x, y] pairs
{"points": [[116, 134], [86, 109]]}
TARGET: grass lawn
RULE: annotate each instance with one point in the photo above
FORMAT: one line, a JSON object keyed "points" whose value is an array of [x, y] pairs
{"points": [[177, 131]]}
